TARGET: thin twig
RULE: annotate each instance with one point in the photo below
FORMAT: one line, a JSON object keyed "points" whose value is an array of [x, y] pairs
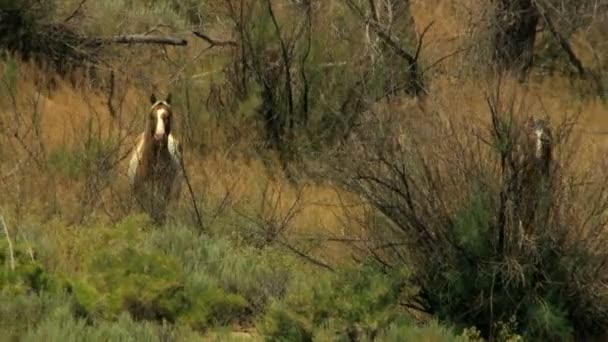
{"points": [[75, 12], [192, 197], [10, 243], [214, 42]]}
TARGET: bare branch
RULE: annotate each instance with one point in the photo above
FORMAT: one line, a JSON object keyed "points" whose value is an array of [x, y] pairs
{"points": [[421, 39], [214, 42], [109, 104], [10, 243], [75, 12]]}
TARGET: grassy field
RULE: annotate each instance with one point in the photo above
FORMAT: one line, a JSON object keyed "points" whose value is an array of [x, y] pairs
{"points": [[297, 243]]}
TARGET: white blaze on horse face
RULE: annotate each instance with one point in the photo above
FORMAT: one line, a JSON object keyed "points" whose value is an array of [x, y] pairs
{"points": [[159, 132]]}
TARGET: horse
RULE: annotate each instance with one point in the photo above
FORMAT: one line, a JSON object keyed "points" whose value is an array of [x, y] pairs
{"points": [[535, 172], [542, 140], [156, 164]]}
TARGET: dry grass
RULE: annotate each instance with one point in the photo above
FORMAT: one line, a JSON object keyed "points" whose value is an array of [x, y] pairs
{"points": [[229, 169], [65, 114]]}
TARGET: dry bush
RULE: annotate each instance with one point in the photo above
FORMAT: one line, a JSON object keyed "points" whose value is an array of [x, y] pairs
{"points": [[488, 236]]}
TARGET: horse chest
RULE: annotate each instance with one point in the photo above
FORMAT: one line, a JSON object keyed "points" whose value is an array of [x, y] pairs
{"points": [[161, 169]]}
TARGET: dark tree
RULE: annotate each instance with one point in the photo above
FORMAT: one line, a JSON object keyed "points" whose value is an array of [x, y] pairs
{"points": [[514, 34]]}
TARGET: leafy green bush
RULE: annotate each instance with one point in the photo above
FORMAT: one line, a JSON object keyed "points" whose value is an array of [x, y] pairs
{"points": [[28, 276], [352, 303], [149, 286], [152, 285], [253, 274]]}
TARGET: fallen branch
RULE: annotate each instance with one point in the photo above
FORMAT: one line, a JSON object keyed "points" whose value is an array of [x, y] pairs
{"points": [[214, 42], [145, 39]]}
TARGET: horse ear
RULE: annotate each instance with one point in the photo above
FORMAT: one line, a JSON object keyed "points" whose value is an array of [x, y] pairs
{"points": [[168, 100], [152, 98]]}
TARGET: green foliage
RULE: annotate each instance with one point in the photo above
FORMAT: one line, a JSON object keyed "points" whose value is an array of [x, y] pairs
{"points": [[9, 79], [134, 16], [472, 225], [359, 301], [28, 276], [549, 321], [20, 313], [253, 274], [309, 101], [146, 285], [61, 325], [65, 162], [152, 285], [432, 331]]}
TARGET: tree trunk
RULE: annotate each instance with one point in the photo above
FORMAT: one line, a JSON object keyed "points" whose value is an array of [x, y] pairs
{"points": [[515, 32]]}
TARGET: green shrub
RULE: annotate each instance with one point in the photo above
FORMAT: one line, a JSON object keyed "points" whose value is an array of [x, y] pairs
{"points": [[357, 302], [28, 276], [432, 331], [253, 274], [549, 320], [125, 273], [62, 326], [65, 163], [149, 286], [20, 313]]}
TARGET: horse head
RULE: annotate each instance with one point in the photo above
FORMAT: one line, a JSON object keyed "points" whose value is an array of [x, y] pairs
{"points": [[159, 120], [541, 139]]}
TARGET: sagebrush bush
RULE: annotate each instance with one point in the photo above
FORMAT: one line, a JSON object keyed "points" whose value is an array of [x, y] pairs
{"points": [[61, 325], [255, 275], [432, 331], [28, 276], [20, 313], [148, 286], [153, 284], [352, 303]]}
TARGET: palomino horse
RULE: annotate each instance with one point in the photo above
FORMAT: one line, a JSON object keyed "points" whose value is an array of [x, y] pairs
{"points": [[156, 164]]}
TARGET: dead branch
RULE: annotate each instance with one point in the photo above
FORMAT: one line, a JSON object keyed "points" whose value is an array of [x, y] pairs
{"points": [[145, 39], [109, 104], [214, 42], [75, 11], [199, 217]]}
